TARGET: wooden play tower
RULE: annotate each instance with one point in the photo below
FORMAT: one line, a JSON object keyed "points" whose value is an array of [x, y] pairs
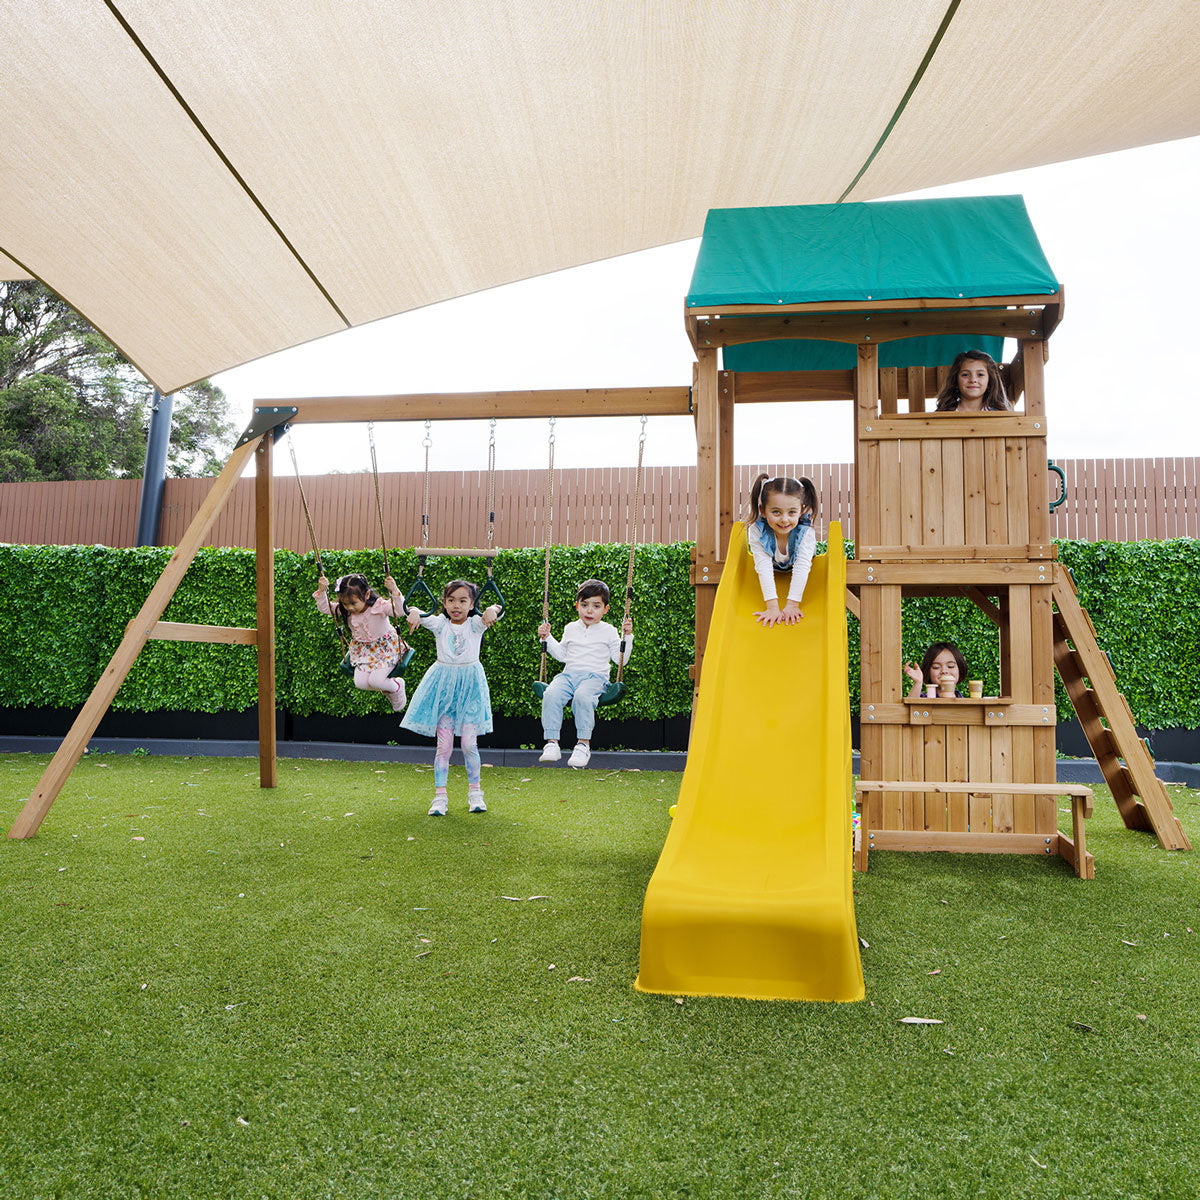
{"points": [[870, 303]]}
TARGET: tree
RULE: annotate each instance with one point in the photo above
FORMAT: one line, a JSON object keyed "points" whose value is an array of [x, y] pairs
{"points": [[72, 406]]}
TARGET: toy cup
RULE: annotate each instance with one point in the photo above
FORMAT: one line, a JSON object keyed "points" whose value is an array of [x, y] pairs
{"points": [[931, 691], [975, 687], [946, 690]]}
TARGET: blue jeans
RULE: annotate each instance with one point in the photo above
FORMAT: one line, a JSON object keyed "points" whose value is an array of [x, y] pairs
{"points": [[579, 689]]}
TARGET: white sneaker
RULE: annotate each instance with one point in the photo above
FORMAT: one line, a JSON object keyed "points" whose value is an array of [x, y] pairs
{"points": [[399, 698], [438, 807], [475, 802], [579, 756], [551, 753]]}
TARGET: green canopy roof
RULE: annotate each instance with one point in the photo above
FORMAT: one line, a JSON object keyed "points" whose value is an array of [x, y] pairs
{"points": [[803, 254], [934, 249]]}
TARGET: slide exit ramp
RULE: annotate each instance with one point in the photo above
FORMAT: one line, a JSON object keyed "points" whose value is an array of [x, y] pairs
{"points": [[752, 895]]}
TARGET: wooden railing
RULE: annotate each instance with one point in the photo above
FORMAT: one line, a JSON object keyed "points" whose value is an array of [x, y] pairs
{"points": [[1107, 499]]}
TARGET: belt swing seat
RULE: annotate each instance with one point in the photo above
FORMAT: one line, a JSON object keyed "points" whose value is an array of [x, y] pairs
{"points": [[615, 688]]}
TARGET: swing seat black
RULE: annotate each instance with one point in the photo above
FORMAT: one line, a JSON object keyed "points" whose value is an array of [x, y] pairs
{"points": [[347, 667], [611, 694]]}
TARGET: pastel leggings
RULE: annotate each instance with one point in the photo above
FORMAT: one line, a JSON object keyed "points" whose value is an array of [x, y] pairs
{"points": [[376, 680], [470, 752]]}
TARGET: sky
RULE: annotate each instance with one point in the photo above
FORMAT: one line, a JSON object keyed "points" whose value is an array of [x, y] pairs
{"points": [[1119, 230]]}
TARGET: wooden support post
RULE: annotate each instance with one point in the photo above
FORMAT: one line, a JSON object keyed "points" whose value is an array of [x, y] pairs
{"points": [[73, 745], [866, 411], [264, 566], [1038, 473], [728, 503], [1031, 358], [708, 510]]}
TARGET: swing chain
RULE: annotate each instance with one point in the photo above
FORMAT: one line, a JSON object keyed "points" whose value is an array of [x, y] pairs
{"points": [[387, 570], [312, 533], [549, 526], [638, 493], [426, 442], [491, 491]]}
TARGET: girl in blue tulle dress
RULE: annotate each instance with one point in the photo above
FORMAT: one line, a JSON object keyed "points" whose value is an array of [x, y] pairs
{"points": [[453, 697]]}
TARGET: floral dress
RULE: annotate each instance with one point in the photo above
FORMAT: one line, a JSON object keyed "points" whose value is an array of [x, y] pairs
{"points": [[374, 641]]}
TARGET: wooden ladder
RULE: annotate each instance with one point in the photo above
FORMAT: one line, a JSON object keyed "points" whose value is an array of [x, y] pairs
{"points": [[1107, 721]]}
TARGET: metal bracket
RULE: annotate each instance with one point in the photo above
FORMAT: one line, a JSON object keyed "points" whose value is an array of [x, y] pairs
{"points": [[264, 419]]}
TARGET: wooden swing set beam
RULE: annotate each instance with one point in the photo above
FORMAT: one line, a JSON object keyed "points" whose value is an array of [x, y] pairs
{"points": [[472, 406]]}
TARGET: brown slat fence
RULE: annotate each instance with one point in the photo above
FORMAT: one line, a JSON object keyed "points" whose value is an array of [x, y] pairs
{"points": [[1107, 499]]}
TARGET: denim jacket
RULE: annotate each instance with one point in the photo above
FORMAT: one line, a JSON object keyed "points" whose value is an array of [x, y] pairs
{"points": [[766, 535]]}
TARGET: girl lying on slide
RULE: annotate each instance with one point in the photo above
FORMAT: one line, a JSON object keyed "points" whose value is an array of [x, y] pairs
{"points": [[781, 538]]}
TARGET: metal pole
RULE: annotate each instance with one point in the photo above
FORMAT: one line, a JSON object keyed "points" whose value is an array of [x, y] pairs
{"points": [[154, 472]]}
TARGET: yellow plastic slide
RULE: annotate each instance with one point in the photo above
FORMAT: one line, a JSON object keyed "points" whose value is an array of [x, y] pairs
{"points": [[752, 895]]}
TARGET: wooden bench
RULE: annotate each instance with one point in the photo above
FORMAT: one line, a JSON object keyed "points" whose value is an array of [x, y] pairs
{"points": [[1073, 849]]}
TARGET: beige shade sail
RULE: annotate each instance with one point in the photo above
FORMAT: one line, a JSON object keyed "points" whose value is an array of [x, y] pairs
{"points": [[11, 270], [208, 183]]}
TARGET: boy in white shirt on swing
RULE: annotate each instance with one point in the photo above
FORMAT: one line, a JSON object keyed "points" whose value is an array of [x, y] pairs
{"points": [[587, 649]]}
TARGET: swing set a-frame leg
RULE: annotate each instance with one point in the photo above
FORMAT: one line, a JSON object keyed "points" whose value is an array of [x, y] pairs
{"points": [[137, 632]]}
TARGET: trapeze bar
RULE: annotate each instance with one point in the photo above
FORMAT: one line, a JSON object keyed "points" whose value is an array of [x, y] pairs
{"points": [[449, 552]]}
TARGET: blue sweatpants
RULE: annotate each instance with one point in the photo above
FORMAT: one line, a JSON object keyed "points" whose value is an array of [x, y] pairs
{"points": [[579, 689]]}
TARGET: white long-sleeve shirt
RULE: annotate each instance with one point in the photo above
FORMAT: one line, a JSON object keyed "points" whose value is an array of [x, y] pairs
{"points": [[765, 565], [590, 647]]}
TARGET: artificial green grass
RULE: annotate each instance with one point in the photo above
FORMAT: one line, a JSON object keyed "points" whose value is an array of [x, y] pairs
{"points": [[318, 991]]}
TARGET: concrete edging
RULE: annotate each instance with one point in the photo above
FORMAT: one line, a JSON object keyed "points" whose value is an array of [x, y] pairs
{"points": [[1070, 770]]}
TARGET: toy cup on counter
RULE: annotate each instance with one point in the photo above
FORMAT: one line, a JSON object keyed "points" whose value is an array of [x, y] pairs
{"points": [[931, 691], [975, 688], [946, 690]]}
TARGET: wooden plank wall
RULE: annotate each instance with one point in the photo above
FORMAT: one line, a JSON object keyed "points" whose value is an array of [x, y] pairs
{"points": [[1108, 500]]}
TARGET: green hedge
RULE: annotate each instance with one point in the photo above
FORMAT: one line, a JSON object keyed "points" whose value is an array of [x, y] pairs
{"points": [[66, 608], [69, 605]]}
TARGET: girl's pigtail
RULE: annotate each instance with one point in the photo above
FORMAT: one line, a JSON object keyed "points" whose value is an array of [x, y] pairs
{"points": [[811, 502], [756, 496]]}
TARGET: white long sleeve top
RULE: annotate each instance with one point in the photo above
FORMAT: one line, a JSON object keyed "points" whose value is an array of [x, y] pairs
{"points": [[765, 564], [590, 647]]}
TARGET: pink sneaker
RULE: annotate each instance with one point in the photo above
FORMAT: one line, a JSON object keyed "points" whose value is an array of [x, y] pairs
{"points": [[399, 698]]}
